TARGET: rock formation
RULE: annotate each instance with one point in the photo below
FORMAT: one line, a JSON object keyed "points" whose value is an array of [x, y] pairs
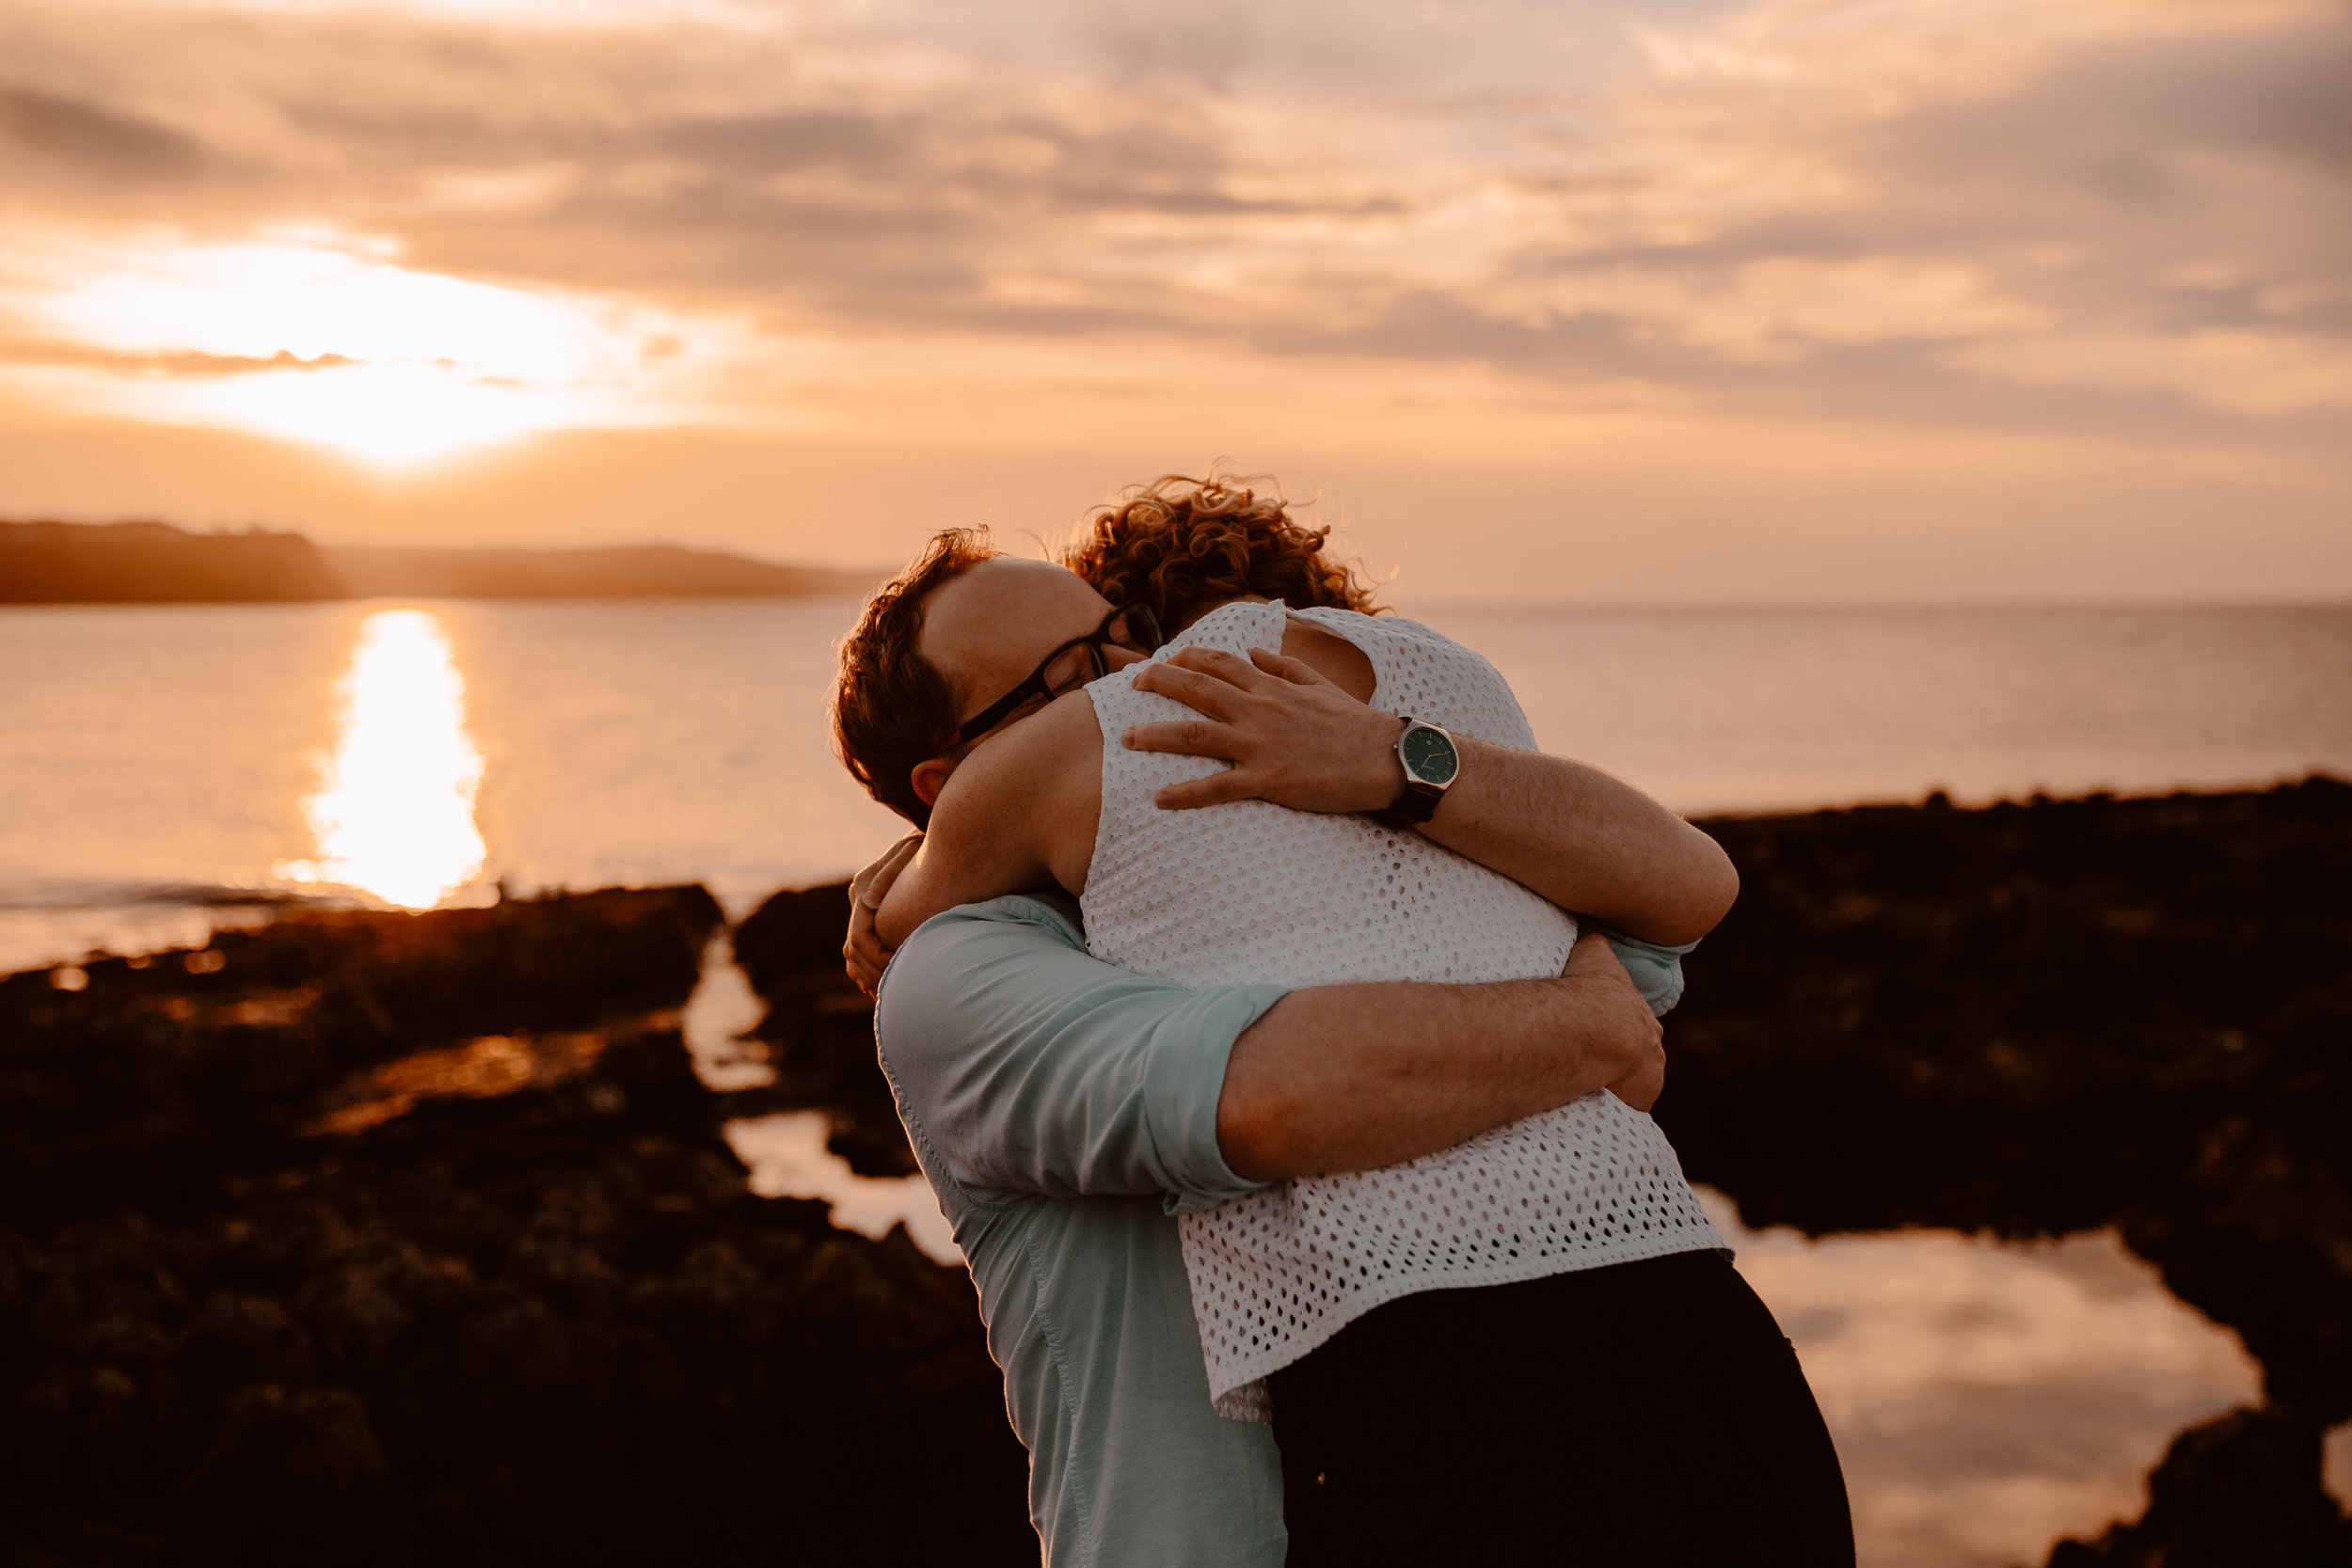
{"points": [[403, 1239]]}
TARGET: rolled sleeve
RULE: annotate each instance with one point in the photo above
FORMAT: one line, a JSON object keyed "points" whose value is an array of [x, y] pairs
{"points": [[1182, 1087], [1656, 971], [1034, 1067]]}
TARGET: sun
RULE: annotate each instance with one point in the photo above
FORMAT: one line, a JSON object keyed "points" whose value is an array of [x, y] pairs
{"points": [[327, 339], [392, 415]]}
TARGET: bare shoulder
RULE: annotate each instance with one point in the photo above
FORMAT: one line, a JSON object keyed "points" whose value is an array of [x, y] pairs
{"points": [[1331, 655], [1033, 786]]}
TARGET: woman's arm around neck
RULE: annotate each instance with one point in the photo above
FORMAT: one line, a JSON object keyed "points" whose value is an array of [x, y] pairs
{"points": [[1017, 815]]}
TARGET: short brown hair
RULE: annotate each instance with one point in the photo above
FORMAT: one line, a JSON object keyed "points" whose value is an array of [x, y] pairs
{"points": [[1181, 545], [891, 705]]}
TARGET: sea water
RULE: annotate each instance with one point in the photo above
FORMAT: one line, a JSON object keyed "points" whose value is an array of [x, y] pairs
{"points": [[163, 767]]}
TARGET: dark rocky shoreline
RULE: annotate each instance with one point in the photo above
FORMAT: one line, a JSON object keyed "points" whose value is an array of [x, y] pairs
{"points": [[2053, 1017], [397, 1238], [522, 1310]]}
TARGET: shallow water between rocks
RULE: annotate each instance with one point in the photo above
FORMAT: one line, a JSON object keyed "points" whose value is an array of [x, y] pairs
{"points": [[1987, 1397]]}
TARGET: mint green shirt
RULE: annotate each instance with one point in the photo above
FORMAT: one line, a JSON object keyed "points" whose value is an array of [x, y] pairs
{"points": [[1064, 1112]]}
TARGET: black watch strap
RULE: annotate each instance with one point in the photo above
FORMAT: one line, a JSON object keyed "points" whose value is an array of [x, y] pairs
{"points": [[1417, 806], [1417, 802]]}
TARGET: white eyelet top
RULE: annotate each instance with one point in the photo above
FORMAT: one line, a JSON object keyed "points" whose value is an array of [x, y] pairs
{"points": [[1249, 893]]}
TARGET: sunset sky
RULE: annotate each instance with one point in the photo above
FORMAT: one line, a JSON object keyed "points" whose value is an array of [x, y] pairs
{"points": [[1670, 301]]}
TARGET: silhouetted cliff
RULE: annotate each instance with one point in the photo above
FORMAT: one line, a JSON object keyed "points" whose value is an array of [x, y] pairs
{"points": [[156, 563], [633, 572], [43, 563]]}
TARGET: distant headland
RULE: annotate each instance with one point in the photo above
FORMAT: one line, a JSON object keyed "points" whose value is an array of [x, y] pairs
{"points": [[46, 563]]}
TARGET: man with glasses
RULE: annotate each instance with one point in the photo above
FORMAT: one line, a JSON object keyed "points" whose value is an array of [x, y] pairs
{"points": [[1127, 631], [1065, 1111], [921, 682]]}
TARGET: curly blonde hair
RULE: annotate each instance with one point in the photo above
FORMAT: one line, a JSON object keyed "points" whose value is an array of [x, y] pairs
{"points": [[1182, 546]]}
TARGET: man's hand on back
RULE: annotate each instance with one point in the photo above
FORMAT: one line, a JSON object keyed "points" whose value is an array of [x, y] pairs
{"points": [[1294, 738]]}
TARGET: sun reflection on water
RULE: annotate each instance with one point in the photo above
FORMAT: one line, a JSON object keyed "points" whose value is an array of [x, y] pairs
{"points": [[393, 815]]}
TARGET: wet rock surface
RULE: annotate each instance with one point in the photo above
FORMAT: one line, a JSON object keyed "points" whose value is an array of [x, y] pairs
{"points": [[819, 1028], [525, 1318], [2241, 1489], [150, 1068], [2052, 1017]]}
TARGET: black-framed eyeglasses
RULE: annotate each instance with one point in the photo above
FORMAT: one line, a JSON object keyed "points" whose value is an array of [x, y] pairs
{"points": [[1132, 626]]}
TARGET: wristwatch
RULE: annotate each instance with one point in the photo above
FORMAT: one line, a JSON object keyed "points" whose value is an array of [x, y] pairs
{"points": [[1431, 764]]}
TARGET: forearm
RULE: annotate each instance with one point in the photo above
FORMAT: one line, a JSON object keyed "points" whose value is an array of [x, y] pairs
{"points": [[969, 856], [1586, 841], [921, 891], [1017, 816], [1342, 1078]]}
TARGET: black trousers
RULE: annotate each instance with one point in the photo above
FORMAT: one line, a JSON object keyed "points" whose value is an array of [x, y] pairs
{"points": [[1639, 1416]]}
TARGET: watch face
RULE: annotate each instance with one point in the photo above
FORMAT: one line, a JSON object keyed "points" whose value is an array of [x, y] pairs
{"points": [[1429, 756]]}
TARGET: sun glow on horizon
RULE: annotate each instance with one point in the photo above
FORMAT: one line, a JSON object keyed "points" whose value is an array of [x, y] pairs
{"points": [[394, 815], [324, 338]]}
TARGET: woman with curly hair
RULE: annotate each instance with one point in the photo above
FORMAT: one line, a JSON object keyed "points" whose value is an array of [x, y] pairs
{"points": [[1421, 1335], [1184, 546]]}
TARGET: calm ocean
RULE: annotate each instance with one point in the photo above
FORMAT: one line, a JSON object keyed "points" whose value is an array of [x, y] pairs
{"points": [[161, 767]]}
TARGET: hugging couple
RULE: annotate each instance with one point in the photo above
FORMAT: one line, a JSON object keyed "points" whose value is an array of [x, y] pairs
{"points": [[1295, 1133]]}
